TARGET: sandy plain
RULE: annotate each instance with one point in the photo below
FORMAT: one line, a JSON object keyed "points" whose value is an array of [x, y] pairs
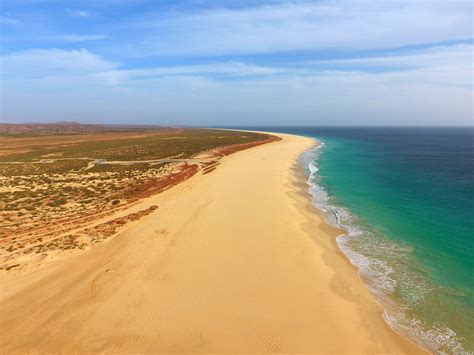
{"points": [[236, 261]]}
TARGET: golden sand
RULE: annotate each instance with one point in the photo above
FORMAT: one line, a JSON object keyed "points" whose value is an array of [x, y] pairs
{"points": [[233, 261]]}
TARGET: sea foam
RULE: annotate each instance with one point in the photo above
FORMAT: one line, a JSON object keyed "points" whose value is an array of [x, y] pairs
{"points": [[383, 265]]}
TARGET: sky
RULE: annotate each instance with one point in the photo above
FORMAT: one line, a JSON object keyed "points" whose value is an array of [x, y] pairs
{"points": [[228, 62]]}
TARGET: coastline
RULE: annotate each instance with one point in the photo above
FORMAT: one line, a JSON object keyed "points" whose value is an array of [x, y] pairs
{"points": [[246, 265], [333, 254]]}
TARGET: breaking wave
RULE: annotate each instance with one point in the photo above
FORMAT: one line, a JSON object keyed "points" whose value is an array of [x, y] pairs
{"points": [[388, 268]]}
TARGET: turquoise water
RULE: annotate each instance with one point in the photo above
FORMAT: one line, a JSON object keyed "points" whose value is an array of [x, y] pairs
{"points": [[406, 198]]}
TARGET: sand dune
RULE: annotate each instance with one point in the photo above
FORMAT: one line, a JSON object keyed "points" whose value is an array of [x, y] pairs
{"points": [[232, 261]]}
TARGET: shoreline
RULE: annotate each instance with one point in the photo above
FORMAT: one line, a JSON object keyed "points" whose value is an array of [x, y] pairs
{"points": [[222, 275], [334, 231]]}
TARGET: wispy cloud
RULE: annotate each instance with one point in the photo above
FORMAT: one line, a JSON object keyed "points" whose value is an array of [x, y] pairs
{"points": [[9, 20], [225, 68], [303, 26], [78, 13], [43, 63], [233, 92], [224, 62], [74, 38], [457, 56]]}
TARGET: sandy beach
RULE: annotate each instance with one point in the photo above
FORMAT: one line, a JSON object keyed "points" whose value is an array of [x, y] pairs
{"points": [[235, 261]]}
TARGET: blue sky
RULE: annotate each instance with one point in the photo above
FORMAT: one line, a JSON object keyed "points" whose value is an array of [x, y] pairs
{"points": [[238, 62]]}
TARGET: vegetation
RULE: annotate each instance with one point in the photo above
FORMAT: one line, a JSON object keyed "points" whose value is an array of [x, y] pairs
{"points": [[51, 182]]}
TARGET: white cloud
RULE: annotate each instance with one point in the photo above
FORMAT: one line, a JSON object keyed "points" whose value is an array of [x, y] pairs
{"points": [[9, 20], [304, 26], [429, 86], [184, 73], [235, 69], [44, 63], [440, 56], [78, 13], [40, 63], [79, 85], [440, 66], [73, 38]]}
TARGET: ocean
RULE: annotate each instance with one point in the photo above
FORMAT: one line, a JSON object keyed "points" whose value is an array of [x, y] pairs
{"points": [[405, 196]]}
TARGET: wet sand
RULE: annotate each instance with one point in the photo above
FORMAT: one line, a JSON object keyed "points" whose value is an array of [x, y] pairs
{"points": [[233, 261]]}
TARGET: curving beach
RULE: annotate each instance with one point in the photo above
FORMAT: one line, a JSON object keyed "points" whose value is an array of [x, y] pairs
{"points": [[236, 261]]}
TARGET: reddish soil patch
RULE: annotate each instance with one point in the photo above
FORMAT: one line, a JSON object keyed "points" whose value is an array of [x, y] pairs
{"points": [[230, 149], [154, 186]]}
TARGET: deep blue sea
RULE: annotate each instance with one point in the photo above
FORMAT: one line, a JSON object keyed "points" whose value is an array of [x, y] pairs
{"points": [[405, 196]]}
